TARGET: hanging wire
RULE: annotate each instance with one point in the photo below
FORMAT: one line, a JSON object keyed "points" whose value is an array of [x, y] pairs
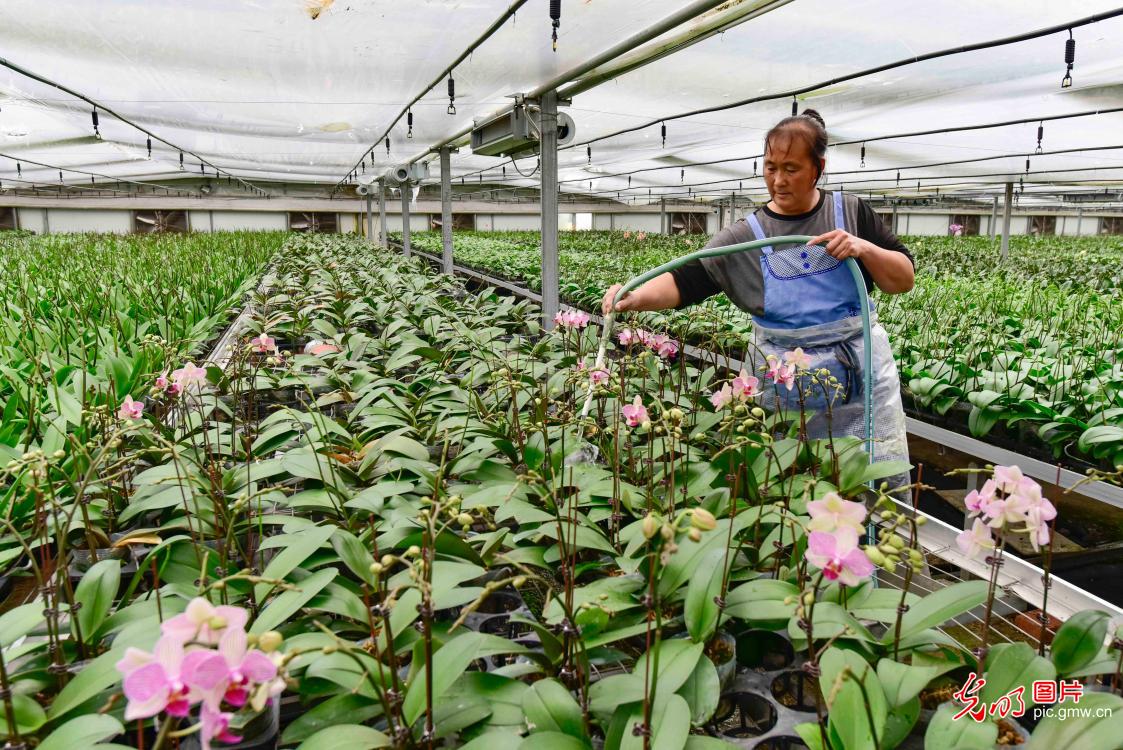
{"points": [[555, 21], [1070, 60]]}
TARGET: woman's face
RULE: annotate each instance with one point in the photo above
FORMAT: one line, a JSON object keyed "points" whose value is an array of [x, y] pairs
{"points": [[789, 173]]}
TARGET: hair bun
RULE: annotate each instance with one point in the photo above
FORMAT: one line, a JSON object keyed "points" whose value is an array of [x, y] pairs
{"points": [[814, 115]]}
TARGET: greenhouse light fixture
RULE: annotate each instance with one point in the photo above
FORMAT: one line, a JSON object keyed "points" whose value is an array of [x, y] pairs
{"points": [[451, 95], [1040, 133], [589, 154], [387, 145], [202, 168], [682, 176], [795, 106], [898, 178], [93, 116], [555, 21], [148, 143], [1070, 59], [180, 161], [754, 169], [19, 170], [629, 182], [409, 123], [60, 176], [1027, 165], [663, 132], [862, 163]]}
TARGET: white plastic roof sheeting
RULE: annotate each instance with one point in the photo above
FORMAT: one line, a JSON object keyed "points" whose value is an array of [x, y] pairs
{"points": [[262, 90]]}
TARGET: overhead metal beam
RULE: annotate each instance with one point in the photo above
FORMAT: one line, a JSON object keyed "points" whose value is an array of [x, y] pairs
{"points": [[677, 18], [446, 209], [548, 134]]}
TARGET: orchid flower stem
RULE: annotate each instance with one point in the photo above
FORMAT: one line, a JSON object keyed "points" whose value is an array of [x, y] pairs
{"points": [[165, 731]]}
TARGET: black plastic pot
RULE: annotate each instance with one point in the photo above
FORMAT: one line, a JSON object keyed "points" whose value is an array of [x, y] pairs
{"points": [[744, 714], [764, 650]]}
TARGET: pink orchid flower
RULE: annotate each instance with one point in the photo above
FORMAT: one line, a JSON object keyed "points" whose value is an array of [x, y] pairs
{"points": [[644, 337], [627, 235], [572, 319], [227, 675], [797, 360], [203, 622], [774, 367], [832, 512], [264, 344], [975, 539], [745, 386], [153, 683], [599, 376], [131, 409], [318, 348], [977, 500], [839, 556], [162, 382], [635, 413], [641, 236], [667, 349], [175, 389], [785, 376], [189, 374], [721, 398], [215, 725], [626, 337], [1008, 478]]}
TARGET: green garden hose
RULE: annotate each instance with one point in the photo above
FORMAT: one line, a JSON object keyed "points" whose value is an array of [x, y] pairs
{"points": [[796, 240]]}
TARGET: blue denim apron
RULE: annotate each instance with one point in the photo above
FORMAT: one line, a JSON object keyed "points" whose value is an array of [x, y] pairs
{"points": [[811, 302]]}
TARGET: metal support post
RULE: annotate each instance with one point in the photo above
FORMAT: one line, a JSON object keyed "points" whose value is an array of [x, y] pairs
{"points": [[370, 218], [405, 218], [663, 216], [1009, 202], [893, 225], [385, 235], [446, 210], [994, 219], [548, 128], [1079, 220]]}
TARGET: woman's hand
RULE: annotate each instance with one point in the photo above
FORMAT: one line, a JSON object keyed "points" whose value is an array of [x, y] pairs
{"points": [[842, 245], [623, 305]]}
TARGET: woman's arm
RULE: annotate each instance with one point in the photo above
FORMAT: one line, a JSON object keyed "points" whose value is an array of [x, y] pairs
{"points": [[661, 293], [891, 271]]}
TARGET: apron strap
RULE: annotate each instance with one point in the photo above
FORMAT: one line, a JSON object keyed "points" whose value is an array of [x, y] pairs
{"points": [[839, 211], [758, 231]]}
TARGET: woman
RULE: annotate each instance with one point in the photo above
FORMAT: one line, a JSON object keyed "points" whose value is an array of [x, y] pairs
{"points": [[802, 296]]}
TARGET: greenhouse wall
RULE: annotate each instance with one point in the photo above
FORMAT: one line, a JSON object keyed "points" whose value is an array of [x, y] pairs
{"points": [[227, 220], [33, 219], [637, 222], [508, 222], [88, 220]]}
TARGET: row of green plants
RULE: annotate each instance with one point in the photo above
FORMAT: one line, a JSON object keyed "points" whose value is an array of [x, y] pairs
{"points": [[92, 319], [1025, 352], [387, 524]]}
